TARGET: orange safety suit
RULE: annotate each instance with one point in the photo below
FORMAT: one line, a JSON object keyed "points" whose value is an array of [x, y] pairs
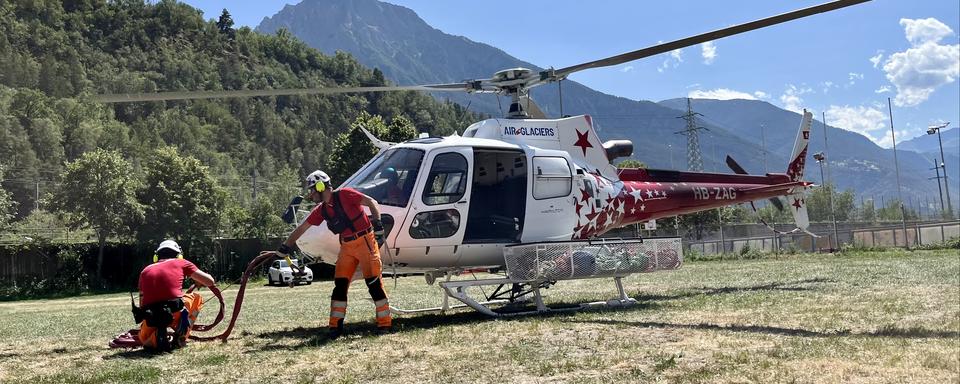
{"points": [[192, 303], [358, 248], [361, 252]]}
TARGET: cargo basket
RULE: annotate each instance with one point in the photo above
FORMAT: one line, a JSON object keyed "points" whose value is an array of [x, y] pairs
{"points": [[587, 259]]}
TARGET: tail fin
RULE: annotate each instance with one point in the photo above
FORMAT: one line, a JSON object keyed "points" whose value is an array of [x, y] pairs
{"points": [[797, 198], [799, 156], [798, 207]]}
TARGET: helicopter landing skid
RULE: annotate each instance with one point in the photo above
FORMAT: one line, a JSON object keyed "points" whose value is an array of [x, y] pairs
{"points": [[458, 290]]}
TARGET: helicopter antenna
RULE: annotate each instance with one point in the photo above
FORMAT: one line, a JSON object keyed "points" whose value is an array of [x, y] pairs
{"points": [[463, 116], [560, 92]]}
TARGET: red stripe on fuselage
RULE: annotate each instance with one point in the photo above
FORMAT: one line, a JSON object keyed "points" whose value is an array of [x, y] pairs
{"points": [[666, 176]]}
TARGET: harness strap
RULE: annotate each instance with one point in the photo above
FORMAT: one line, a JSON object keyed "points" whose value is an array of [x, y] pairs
{"points": [[340, 213]]}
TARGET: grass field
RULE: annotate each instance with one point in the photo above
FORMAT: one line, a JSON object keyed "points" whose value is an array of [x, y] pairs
{"points": [[856, 318]]}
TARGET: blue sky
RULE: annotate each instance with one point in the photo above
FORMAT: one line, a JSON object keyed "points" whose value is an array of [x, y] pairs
{"points": [[845, 63]]}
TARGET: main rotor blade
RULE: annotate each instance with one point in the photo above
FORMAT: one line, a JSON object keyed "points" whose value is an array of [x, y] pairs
{"points": [[776, 203], [702, 38], [189, 95], [736, 168]]}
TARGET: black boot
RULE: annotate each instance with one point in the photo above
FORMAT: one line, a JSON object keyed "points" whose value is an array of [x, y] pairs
{"points": [[336, 332]]}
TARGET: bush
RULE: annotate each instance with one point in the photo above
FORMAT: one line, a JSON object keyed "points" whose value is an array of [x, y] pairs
{"points": [[70, 278], [860, 247], [749, 253], [951, 243]]}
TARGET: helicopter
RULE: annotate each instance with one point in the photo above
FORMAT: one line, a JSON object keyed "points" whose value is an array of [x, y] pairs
{"points": [[530, 195]]}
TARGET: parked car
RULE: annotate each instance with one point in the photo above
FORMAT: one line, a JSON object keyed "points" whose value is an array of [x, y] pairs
{"points": [[280, 273]]}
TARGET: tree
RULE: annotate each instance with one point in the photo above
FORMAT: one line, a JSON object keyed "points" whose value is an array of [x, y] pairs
{"points": [[225, 24], [771, 215], [700, 223], [352, 149], [631, 163], [181, 200], [262, 219], [6, 204], [818, 203], [400, 129], [867, 211], [891, 212], [705, 222], [98, 191]]}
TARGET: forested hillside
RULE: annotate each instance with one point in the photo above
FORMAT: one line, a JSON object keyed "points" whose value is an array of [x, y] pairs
{"points": [[55, 54]]}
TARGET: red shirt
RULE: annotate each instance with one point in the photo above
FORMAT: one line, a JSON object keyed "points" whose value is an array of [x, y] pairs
{"points": [[350, 199], [163, 280]]}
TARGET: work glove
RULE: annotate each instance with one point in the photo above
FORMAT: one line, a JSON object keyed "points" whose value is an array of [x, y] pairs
{"points": [[284, 251], [377, 230]]}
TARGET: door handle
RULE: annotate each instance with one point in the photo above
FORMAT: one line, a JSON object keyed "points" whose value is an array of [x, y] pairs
{"points": [[462, 202]]}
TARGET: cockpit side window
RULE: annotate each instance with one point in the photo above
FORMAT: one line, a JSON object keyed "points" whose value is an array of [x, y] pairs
{"points": [[447, 180], [390, 178]]}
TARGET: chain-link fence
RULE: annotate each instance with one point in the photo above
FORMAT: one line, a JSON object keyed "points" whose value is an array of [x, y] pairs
{"points": [[851, 234]]}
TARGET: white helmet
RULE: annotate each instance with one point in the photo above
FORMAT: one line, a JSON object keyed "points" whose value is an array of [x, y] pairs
{"points": [[169, 244], [318, 180]]}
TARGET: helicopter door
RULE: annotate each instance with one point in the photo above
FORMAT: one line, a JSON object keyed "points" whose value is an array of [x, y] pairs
{"points": [[434, 227], [498, 197]]}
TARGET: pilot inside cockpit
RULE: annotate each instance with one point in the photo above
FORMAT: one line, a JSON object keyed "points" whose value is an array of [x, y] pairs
{"points": [[394, 193], [390, 177]]}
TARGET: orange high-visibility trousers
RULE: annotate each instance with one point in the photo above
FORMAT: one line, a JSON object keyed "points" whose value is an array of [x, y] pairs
{"points": [[192, 302], [362, 252]]}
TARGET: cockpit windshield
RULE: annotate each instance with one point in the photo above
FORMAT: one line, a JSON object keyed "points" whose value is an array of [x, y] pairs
{"points": [[390, 178]]}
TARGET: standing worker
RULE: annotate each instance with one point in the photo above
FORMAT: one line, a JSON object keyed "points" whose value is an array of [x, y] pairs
{"points": [[359, 238], [162, 302]]}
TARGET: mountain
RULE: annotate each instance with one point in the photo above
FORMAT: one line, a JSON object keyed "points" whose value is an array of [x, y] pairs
{"points": [[409, 51], [930, 143], [855, 162]]}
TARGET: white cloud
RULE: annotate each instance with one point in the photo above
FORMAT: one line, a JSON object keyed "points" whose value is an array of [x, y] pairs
{"points": [[887, 141], [921, 69], [853, 77], [928, 30], [720, 94], [791, 98], [883, 89], [694, 85], [709, 52], [761, 95], [627, 68], [677, 54], [868, 121], [676, 57], [826, 86], [876, 59]]}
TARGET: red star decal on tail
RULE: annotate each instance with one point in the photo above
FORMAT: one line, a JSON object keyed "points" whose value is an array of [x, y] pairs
{"points": [[583, 141], [797, 203], [584, 195]]}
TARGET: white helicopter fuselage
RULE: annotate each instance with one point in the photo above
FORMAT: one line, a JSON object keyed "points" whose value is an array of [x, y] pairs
{"points": [[454, 203]]}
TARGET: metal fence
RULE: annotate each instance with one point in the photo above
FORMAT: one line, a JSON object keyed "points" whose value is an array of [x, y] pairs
{"points": [[890, 235]]}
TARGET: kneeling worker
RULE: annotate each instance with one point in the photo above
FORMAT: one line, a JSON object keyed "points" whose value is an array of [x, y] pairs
{"points": [[162, 302], [359, 237]]}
